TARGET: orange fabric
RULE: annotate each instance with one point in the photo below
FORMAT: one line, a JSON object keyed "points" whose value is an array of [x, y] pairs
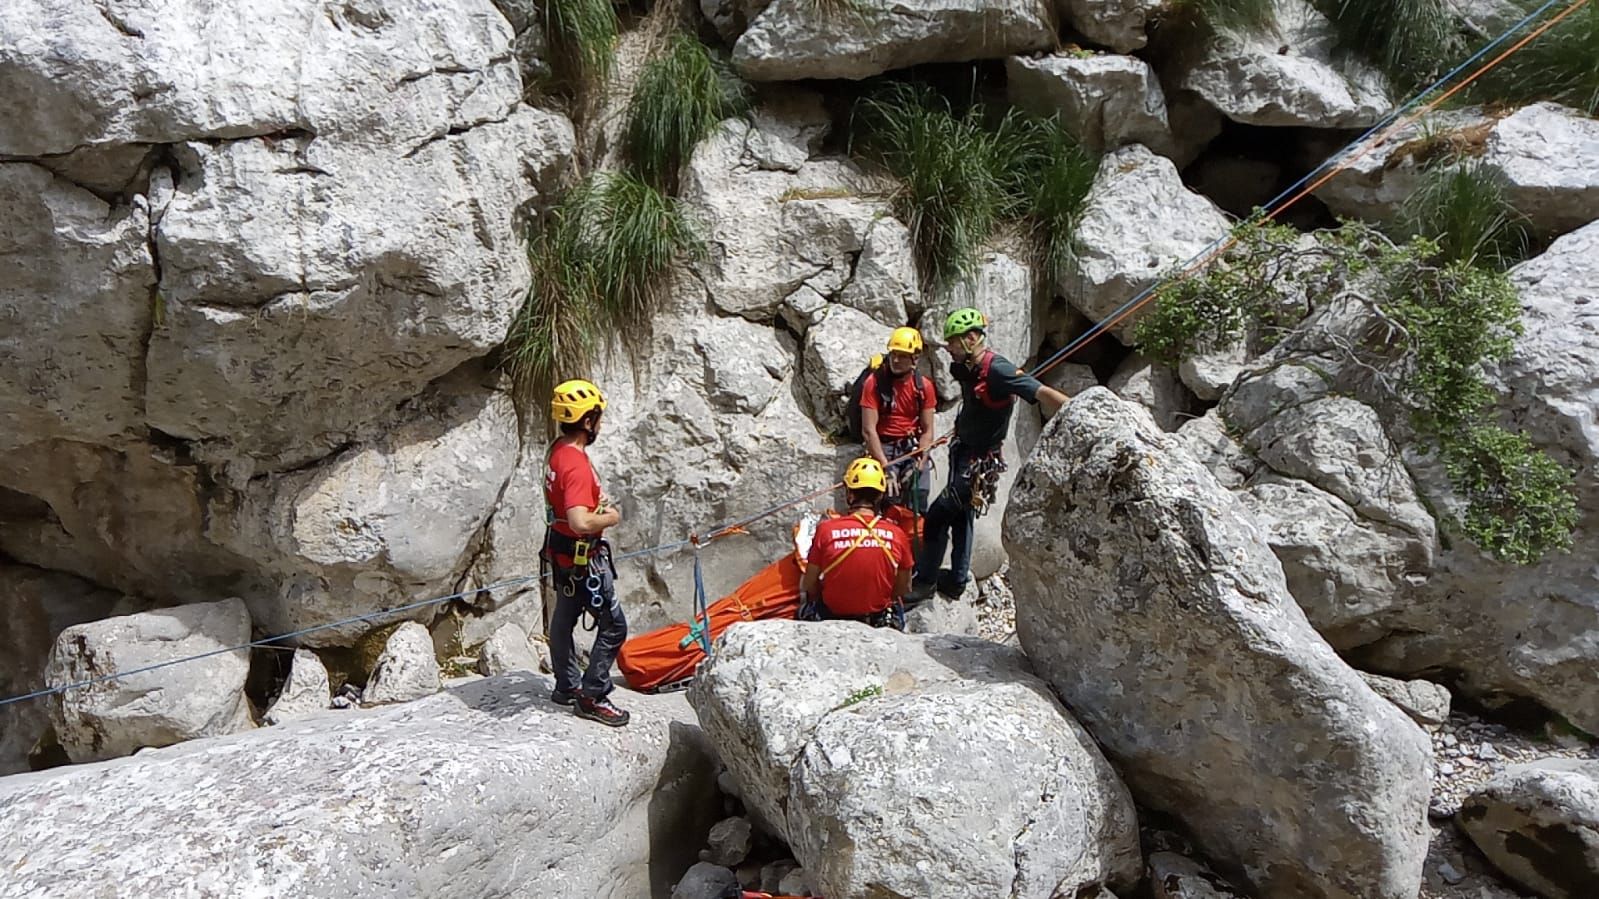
{"points": [[908, 521], [651, 660]]}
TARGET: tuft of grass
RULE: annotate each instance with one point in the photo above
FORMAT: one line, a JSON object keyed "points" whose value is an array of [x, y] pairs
{"points": [[580, 36], [1237, 15], [1463, 209], [682, 94], [859, 696], [1409, 40], [1049, 174], [1562, 65], [954, 191], [963, 176], [599, 262]]}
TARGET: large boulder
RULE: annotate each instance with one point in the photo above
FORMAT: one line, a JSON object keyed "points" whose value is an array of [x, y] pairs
{"points": [[305, 691], [1148, 598], [1539, 823], [1106, 101], [406, 669], [792, 40], [1139, 222], [200, 698], [38, 606], [468, 793], [839, 736], [1118, 24], [1295, 75], [1540, 151], [327, 244], [382, 524]]}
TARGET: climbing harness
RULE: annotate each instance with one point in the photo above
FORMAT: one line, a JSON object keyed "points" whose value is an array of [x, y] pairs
{"points": [[984, 472]]}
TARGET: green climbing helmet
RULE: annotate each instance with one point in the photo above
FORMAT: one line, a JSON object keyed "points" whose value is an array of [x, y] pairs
{"points": [[962, 320]]}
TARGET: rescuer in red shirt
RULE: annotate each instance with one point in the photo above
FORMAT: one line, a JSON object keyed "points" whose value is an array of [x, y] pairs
{"points": [[577, 514], [860, 564], [897, 406]]}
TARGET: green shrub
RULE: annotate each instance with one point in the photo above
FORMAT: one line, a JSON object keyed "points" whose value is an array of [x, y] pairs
{"points": [[579, 36], [598, 262], [1438, 321], [1462, 207], [1519, 503], [963, 176], [682, 94]]}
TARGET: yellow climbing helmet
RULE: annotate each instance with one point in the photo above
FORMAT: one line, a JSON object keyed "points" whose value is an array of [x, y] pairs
{"points": [[865, 473], [905, 340], [574, 399]]}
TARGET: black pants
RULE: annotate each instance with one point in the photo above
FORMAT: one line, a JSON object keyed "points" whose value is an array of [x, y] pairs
{"points": [[950, 519], [577, 590], [893, 616]]}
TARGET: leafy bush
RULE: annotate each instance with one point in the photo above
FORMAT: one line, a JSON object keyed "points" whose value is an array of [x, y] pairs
{"points": [[598, 262], [1436, 321], [682, 94], [963, 176]]}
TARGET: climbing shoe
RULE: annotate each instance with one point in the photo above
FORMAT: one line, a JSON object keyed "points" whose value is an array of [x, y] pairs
{"points": [[563, 697], [602, 710]]}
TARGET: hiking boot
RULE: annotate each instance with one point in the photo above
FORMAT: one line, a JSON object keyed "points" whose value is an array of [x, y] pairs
{"points": [[602, 710], [563, 697], [921, 591], [950, 589]]}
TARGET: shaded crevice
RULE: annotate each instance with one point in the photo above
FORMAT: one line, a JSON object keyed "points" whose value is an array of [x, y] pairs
{"points": [[453, 131], [118, 22]]}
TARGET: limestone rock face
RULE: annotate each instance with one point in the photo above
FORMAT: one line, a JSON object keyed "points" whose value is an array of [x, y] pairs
{"points": [[1152, 604], [1139, 222], [306, 691], [830, 729], [200, 698], [1293, 77], [468, 792], [1538, 150], [792, 40], [1118, 24], [1539, 823], [1106, 101]]}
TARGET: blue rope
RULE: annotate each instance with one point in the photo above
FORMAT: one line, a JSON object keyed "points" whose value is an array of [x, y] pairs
{"points": [[699, 628], [1272, 205]]}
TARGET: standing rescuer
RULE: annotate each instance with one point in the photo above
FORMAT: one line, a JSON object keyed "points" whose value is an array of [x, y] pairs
{"points": [[577, 514], [990, 385], [897, 407], [859, 565]]}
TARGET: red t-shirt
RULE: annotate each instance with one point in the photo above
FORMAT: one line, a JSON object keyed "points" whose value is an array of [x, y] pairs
{"points": [[905, 419], [569, 482], [863, 583]]}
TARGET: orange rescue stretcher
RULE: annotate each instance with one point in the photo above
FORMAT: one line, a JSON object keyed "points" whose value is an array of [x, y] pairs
{"points": [[668, 657]]}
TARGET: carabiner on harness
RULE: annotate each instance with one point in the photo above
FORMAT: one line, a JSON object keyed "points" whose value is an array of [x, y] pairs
{"points": [[985, 472]]}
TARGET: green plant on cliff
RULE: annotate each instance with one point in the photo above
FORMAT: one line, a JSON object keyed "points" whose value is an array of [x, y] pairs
{"points": [[963, 174], [1411, 41], [1562, 65], [1432, 324], [1462, 206], [579, 37], [681, 95], [599, 260]]}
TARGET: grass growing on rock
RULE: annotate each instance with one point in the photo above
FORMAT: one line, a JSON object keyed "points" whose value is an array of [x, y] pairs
{"points": [[681, 95], [1562, 65], [1409, 40], [1229, 15], [1434, 318], [964, 175], [580, 36], [1462, 207], [599, 261]]}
